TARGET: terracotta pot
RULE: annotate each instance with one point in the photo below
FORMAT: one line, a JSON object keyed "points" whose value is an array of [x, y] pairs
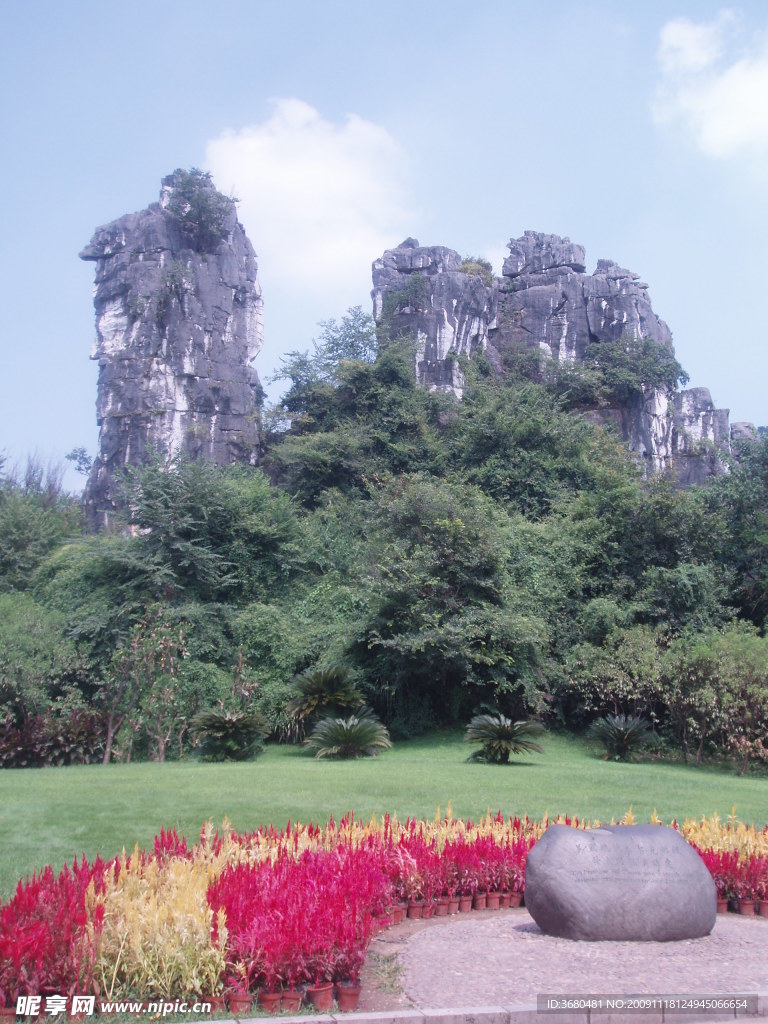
{"points": [[515, 899], [453, 904], [270, 1001], [504, 902], [429, 909], [722, 905], [348, 996], [465, 904], [493, 901], [400, 912], [761, 907], [416, 908], [321, 996], [240, 1003], [441, 907], [479, 901], [747, 907], [292, 1000], [7, 1013]]}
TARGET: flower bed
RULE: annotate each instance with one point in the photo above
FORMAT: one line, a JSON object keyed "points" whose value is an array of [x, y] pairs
{"points": [[273, 910]]}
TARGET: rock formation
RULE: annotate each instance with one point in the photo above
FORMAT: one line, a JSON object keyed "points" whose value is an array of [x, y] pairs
{"points": [[178, 321], [546, 302], [447, 310]]}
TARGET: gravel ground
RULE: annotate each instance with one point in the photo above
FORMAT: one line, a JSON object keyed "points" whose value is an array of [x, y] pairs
{"points": [[502, 958]]}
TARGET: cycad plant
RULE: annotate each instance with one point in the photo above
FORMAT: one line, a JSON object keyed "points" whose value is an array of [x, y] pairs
{"points": [[229, 735], [321, 692], [359, 735], [500, 737], [621, 735]]}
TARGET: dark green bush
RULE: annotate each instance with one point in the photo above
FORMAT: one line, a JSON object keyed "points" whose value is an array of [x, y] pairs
{"points": [[229, 735], [360, 735], [42, 741], [621, 735], [500, 737], [326, 691]]}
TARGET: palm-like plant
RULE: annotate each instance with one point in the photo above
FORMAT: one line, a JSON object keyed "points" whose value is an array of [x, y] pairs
{"points": [[621, 735], [359, 735], [229, 735], [326, 691], [500, 737]]}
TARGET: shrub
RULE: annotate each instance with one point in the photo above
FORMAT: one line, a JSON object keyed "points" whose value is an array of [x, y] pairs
{"points": [[500, 737], [479, 266], [203, 214], [360, 735], [621, 735], [76, 737], [329, 691], [229, 735]]}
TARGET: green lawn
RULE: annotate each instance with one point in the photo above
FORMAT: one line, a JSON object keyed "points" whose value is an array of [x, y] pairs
{"points": [[49, 815]]}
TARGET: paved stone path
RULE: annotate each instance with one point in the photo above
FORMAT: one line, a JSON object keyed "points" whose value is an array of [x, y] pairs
{"points": [[501, 957]]}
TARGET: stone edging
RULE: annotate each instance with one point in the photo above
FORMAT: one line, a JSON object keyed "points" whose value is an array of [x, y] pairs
{"points": [[522, 1014]]}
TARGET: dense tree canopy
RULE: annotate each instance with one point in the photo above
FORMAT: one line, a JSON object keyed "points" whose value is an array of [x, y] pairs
{"points": [[494, 555]]}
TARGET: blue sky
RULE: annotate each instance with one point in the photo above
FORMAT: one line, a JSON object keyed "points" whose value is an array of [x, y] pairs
{"points": [[638, 130]]}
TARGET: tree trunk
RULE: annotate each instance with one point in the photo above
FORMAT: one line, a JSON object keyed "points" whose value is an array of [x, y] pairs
{"points": [[112, 728]]}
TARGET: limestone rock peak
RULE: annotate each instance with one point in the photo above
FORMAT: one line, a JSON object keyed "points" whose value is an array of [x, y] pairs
{"points": [[178, 323], [545, 301]]}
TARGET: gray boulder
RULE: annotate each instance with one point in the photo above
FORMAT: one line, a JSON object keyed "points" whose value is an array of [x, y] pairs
{"points": [[620, 882]]}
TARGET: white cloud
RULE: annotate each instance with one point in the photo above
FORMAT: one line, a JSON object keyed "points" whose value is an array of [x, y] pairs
{"points": [[686, 47], [714, 87], [319, 200]]}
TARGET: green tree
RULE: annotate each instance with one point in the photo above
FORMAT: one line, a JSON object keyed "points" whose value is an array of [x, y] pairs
{"points": [[622, 677], [616, 373], [140, 690], [690, 693], [208, 532], [737, 515], [313, 375], [204, 215], [515, 441], [40, 667], [718, 687], [372, 421], [442, 628], [36, 515]]}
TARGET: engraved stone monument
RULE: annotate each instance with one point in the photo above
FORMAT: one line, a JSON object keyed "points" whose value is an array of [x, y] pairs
{"points": [[619, 882]]}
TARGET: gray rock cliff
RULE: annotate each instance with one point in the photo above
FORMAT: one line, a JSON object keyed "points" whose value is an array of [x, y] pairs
{"points": [[447, 310], [546, 302], [178, 322]]}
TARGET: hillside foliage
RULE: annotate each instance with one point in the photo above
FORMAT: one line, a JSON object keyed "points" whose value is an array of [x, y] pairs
{"points": [[498, 555]]}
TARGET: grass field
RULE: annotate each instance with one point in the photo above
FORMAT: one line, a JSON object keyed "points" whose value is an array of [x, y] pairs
{"points": [[50, 815]]}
